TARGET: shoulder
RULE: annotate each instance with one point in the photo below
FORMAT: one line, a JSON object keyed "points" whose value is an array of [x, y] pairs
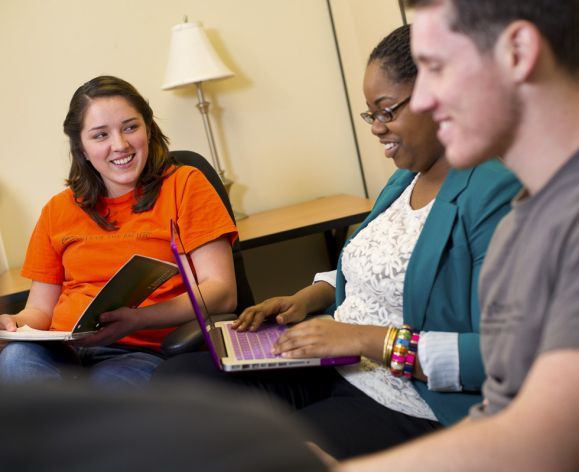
{"points": [[60, 201], [492, 173], [182, 173], [62, 211], [188, 183], [64, 196], [488, 182], [185, 177]]}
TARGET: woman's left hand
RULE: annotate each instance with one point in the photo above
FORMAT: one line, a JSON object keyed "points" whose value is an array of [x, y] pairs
{"points": [[320, 338], [114, 326]]}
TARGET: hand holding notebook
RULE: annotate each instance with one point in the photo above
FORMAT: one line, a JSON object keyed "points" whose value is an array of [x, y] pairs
{"points": [[130, 286]]}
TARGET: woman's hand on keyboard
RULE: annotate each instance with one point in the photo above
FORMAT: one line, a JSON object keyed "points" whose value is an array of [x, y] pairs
{"points": [[285, 310], [324, 337]]}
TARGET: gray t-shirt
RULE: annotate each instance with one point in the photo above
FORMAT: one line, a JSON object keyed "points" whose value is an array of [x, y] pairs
{"points": [[529, 287]]}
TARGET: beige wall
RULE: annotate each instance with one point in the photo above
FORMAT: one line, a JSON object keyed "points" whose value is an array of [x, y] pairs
{"points": [[360, 26], [3, 259], [281, 123]]}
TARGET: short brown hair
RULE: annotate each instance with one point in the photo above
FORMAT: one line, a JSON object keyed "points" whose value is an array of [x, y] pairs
{"points": [[483, 21]]}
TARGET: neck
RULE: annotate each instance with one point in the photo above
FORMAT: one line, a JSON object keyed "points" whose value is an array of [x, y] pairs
{"points": [[429, 183], [546, 137], [437, 172]]}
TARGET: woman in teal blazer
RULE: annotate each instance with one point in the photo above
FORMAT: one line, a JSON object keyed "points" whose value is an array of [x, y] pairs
{"points": [[415, 260], [440, 286]]}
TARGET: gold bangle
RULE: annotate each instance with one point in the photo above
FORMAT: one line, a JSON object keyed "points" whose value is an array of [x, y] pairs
{"points": [[390, 345], [385, 347]]}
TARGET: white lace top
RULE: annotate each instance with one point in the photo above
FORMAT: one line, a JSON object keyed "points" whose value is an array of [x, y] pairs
{"points": [[382, 249]]}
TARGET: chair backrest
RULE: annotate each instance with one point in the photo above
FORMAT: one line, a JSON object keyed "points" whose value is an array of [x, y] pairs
{"points": [[190, 158]]}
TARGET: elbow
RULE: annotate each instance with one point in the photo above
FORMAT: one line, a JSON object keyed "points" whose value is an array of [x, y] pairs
{"points": [[228, 300], [230, 306]]}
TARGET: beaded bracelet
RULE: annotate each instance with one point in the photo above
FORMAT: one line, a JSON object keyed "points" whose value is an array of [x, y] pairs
{"points": [[411, 356], [400, 350]]}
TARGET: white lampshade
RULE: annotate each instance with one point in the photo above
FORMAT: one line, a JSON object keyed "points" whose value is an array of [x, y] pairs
{"points": [[192, 59]]}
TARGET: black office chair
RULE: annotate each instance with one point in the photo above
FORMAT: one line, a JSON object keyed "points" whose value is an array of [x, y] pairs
{"points": [[188, 336]]}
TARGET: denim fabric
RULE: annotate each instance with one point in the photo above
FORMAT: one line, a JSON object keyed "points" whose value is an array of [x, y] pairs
{"points": [[104, 367]]}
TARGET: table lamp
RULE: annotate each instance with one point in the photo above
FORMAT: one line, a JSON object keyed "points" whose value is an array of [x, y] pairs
{"points": [[192, 60]]}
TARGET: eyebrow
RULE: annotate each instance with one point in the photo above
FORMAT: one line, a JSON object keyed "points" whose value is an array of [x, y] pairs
{"points": [[380, 99], [423, 57], [95, 128]]}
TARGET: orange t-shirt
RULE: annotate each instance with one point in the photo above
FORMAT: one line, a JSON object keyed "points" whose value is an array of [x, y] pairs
{"points": [[68, 248]]}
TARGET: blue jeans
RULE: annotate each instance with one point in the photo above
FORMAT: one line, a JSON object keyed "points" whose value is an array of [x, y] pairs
{"points": [[104, 367]]}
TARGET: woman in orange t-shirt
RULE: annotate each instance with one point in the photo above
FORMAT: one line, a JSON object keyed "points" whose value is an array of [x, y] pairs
{"points": [[122, 191]]}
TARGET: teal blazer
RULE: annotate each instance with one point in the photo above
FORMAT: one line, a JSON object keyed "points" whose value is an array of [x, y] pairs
{"points": [[440, 286]]}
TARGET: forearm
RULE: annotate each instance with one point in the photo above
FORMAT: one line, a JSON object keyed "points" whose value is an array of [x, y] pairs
{"points": [[316, 297], [371, 340], [217, 298], [40, 304], [436, 356], [32, 317], [534, 433], [495, 443], [469, 446]]}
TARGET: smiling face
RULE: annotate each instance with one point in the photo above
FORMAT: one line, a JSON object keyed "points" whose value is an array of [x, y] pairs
{"points": [[410, 139], [115, 140], [465, 90]]}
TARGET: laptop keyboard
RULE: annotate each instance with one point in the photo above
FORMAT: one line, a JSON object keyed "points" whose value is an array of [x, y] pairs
{"points": [[249, 345]]}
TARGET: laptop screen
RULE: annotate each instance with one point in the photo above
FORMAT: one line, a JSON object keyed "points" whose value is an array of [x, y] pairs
{"points": [[187, 270]]}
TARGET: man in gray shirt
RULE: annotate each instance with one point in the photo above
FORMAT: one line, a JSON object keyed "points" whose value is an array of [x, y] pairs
{"points": [[501, 77]]}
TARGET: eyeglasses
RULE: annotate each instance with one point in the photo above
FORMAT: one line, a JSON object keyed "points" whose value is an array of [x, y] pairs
{"points": [[386, 115]]}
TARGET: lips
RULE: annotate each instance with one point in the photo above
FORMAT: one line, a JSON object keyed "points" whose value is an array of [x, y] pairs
{"points": [[444, 129], [391, 148], [123, 160]]}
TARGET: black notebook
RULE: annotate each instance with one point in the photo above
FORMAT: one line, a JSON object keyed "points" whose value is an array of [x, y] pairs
{"points": [[130, 286]]}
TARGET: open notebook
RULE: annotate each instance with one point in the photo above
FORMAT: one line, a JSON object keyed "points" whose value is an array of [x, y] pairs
{"points": [[232, 350], [130, 286]]}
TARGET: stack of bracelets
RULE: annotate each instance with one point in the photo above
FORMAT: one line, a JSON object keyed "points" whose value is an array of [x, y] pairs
{"points": [[399, 352]]}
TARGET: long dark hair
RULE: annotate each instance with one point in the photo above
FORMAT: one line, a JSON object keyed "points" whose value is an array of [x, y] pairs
{"points": [[85, 182]]}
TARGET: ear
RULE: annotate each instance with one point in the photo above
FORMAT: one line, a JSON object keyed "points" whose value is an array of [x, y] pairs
{"points": [[518, 48]]}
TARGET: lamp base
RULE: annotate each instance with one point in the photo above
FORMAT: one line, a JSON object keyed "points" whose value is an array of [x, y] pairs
{"points": [[239, 215], [227, 183]]}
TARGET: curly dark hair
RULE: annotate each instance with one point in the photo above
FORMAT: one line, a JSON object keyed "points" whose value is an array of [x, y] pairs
{"points": [[483, 21], [395, 57], [85, 182]]}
